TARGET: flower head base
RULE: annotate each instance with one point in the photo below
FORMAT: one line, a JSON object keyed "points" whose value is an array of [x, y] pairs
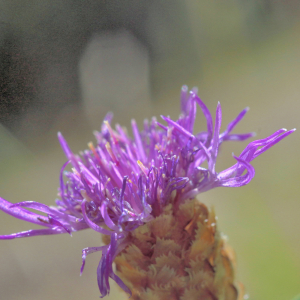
{"points": [[124, 183]]}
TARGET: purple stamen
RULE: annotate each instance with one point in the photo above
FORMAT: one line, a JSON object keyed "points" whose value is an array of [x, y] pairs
{"points": [[123, 183]]}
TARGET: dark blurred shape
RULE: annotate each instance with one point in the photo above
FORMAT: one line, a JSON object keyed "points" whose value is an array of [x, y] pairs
{"points": [[41, 43], [266, 17], [16, 79]]}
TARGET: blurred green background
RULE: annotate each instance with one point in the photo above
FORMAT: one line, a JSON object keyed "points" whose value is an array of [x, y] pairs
{"points": [[248, 54]]}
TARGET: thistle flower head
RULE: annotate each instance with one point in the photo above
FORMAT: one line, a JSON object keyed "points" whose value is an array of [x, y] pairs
{"points": [[122, 183]]}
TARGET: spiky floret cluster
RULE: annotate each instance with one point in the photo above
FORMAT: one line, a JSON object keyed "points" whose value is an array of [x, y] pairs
{"points": [[123, 183]]}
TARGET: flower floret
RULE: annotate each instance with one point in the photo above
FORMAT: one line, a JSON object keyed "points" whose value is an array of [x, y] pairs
{"points": [[123, 183]]}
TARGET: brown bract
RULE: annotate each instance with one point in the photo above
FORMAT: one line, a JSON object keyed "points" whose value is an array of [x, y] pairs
{"points": [[179, 255]]}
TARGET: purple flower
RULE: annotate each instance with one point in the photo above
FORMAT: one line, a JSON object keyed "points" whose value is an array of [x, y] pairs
{"points": [[122, 183]]}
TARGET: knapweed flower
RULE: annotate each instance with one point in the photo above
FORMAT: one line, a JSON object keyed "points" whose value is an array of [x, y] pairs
{"points": [[140, 194]]}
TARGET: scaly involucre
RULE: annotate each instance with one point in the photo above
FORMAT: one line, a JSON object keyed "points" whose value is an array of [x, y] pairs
{"points": [[123, 183]]}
